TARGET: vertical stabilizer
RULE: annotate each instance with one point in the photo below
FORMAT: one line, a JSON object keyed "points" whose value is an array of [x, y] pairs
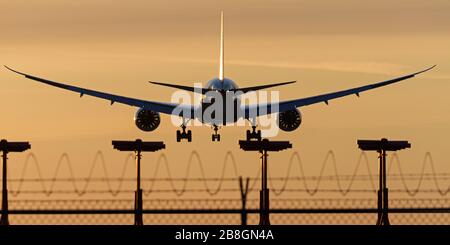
{"points": [[221, 69]]}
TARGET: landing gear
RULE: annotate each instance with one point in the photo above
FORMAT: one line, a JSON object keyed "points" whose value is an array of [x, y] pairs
{"points": [[254, 134], [215, 136], [184, 135]]}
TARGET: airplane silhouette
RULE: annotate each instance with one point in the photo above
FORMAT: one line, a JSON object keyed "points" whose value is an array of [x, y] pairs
{"points": [[217, 93]]}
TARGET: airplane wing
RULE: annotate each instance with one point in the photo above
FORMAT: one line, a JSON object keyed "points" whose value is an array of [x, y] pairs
{"points": [[268, 108], [161, 107]]}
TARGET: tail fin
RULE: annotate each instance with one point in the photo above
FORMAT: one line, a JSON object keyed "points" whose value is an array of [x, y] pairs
{"points": [[221, 71]]}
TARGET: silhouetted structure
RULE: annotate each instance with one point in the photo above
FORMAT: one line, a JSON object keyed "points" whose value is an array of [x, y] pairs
{"points": [[244, 191], [5, 148], [381, 146], [138, 146], [263, 147]]}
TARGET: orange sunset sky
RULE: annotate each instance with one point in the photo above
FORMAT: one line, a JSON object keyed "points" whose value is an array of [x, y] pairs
{"points": [[118, 47]]}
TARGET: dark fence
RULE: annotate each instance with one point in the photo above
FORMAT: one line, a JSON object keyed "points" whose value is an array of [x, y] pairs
{"points": [[226, 211], [425, 200]]}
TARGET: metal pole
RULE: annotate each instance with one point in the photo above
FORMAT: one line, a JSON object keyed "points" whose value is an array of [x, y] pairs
{"points": [[4, 218], [264, 195], [385, 219], [380, 190], [244, 191], [138, 170], [138, 195], [383, 201]]}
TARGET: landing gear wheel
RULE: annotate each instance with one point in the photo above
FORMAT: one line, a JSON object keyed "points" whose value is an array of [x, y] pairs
{"points": [[215, 136], [183, 134], [178, 136], [189, 135], [254, 134]]}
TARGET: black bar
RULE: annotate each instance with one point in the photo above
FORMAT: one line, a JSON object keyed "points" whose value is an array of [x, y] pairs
{"points": [[6, 146], [383, 144], [226, 211], [264, 145], [138, 145]]}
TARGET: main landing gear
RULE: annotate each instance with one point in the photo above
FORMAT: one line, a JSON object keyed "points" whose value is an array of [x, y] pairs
{"points": [[184, 135], [254, 134], [215, 136]]}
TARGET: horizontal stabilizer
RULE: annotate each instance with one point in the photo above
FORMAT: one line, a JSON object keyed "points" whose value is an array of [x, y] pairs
{"points": [[254, 88], [182, 87]]}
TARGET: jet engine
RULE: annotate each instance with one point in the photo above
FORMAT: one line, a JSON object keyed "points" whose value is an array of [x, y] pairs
{"points": [[147, 120], [289, 120]]}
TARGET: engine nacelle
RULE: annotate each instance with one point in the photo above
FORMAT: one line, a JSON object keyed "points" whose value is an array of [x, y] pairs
{"points": [[289, 120], [147, 120]]}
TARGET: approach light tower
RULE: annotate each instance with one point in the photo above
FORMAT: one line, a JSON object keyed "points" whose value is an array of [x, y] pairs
{"points": [[263, 147], [5, 148], [137, 147], [381, 146]]}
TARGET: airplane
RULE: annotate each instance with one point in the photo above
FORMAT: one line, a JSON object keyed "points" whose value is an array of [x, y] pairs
{"points": [[289, 118]]}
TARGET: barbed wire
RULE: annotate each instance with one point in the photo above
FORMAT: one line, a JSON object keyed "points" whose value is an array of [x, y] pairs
{"points": [[413, 192], [48, 184], [225, 203]]}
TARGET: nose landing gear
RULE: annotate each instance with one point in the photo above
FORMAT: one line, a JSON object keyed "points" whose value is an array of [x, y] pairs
{"points": [[215, 136]]}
